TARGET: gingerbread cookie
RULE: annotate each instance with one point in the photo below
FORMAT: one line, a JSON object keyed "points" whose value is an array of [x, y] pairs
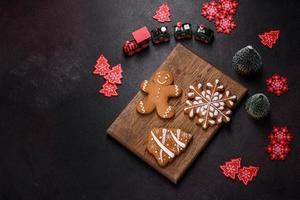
{"points": [[159, 90], [211, 104], [164, 144]]}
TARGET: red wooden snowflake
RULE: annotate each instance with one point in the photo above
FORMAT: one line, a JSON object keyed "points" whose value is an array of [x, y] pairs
{"points": [[102, 66], [278, 151], [229, 6], [277, 84], [231, 168], [247, 174], [225, 25], [269, 38], [280, 135], [114, 75], [109, 89], [210, 10]]}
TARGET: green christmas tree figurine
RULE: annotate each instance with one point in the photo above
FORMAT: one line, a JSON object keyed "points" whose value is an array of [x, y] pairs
{"points": [[247, 61], [258, 106]]}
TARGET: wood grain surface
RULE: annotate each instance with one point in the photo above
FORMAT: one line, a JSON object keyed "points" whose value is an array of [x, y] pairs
{"points": [[131, 128]]}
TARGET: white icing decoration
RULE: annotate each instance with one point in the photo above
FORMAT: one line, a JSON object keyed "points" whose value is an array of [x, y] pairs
{"points": [[145, 85], [176, 90], [163, 148], [142, 107], [176, 139], [167, 111]]}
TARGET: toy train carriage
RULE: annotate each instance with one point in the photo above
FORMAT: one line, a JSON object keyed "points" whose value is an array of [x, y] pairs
{"points": [[160, 35], [204, 34], [141, 38], [182, 31]]}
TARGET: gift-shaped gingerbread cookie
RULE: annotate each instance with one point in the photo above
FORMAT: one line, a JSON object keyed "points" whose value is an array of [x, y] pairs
{"points": [[159, 90], [165, 144]]}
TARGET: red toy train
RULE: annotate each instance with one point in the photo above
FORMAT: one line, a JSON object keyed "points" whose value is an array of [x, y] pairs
{"points": [[142, 36]]}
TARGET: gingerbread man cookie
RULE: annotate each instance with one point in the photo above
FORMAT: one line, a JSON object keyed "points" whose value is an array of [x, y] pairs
{"points": [[159, 90]]}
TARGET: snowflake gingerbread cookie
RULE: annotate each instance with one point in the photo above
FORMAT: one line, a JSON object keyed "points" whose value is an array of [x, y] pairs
{"points": [[210, 104], [159, 90], [165, 144]]}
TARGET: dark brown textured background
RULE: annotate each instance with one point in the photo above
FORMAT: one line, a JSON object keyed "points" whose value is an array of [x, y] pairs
{"points": [[53, 143]]}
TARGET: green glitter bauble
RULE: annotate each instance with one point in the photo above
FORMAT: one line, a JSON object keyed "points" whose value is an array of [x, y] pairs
{"points": [[247, 61], [258, 106]]}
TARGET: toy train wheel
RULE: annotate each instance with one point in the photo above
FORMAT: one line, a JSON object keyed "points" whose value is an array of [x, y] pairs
{"points": [[130, 53], [145, 45]]}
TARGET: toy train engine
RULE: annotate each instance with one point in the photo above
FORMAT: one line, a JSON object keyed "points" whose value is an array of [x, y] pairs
{"points": [[141, 38], [183, 30], [160, 35], [204, 34]]}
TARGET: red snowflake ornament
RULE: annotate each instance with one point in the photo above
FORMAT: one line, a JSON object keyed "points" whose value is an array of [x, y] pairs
{"points": [[278, 151], [163, 13], [225, 25], [228, 6], [108, 89], [246, 174], [102, 66], [269, 38], [277, 84], [114, 75], [280, 135], [210, 10], [231, 168]]}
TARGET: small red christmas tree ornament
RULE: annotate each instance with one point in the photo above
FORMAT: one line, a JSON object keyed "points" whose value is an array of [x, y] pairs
{"points": [[102, 66], [231, 168], [210, 10], [246, 174], [228, 6], [162, 14], [108, 89], [114, 75], [277, 84], [225, 25], [280, 135], [269, 38], [278, 151]]}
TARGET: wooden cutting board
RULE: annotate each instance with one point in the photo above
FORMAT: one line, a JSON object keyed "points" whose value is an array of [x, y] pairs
{"points": [[131, 128]]}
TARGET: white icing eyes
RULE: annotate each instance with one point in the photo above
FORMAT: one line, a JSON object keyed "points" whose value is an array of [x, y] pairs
{"points": [[166, 78], [158, 76]]}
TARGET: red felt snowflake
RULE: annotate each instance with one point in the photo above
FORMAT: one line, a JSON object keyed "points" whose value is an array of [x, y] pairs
{"points": [[225, 25], [277, 84], [210, 10], [280, 135], [269, 38], [102, 66], [229, 6], [231, 168], [247, 174], [114, 75], [278, 151], [109, 89], [162, 14]]}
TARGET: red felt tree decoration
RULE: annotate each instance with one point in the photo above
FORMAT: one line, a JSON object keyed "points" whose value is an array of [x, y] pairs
{"points": [[269, 38], [247, 174], [109, 89], [114, 75], [102, 66], [231, 168], [163, 13]]}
